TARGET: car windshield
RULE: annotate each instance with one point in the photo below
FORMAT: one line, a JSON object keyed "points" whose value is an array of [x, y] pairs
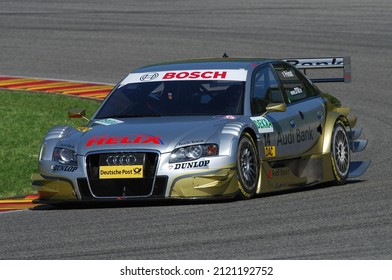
{"points": [[174, 98]]}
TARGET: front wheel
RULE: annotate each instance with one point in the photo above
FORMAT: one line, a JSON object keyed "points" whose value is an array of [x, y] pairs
{"points": [[340, 153], [247, 167]]}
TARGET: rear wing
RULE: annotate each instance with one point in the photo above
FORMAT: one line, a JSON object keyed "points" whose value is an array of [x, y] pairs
{"points": [[343, 63]]}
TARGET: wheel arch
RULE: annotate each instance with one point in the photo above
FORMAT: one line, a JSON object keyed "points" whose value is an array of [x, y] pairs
{"points": [[252, 133], [330, 122]]}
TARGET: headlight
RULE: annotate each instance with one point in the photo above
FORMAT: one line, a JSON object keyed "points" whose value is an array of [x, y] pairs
{"points": [[193, 152], [65, 156]]}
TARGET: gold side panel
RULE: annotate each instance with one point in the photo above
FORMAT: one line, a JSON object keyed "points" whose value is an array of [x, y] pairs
{"points": [[308, 171]]}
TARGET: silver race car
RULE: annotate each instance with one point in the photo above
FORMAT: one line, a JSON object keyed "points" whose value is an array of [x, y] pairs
{"points": [[205, 128]]}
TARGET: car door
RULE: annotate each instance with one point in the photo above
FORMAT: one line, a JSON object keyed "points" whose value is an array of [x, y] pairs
{"points": [[276, 129], [300, 127]]}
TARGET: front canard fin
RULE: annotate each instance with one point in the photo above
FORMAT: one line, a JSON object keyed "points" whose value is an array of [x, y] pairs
{"points": [[357, 168]]}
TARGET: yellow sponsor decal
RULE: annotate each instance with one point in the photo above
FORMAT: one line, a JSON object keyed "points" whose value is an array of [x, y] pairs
{"points": [[270, 151], [121, 171]]}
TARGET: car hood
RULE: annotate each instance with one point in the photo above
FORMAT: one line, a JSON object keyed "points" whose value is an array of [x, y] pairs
{"points": [[159, 133]]}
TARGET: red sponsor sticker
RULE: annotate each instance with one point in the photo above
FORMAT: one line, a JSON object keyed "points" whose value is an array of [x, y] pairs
{"points": [[124, 140]]}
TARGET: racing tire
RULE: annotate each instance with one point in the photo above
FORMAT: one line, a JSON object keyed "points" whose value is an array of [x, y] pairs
{"points": [[340, 153], [248, 167]]}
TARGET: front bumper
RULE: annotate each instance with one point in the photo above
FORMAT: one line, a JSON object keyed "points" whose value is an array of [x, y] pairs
{"points": [[203, 184]]}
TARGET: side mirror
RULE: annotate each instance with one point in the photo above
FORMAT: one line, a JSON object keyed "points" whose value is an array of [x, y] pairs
{"points": [[276, 107], [76, 113]]}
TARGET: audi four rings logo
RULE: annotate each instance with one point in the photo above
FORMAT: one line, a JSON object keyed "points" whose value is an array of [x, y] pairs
{"points": [[149, 76], [121, 160]]}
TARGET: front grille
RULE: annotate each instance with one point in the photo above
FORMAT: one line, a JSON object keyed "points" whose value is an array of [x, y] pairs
{"points": [[105, 183], [158, 189]]}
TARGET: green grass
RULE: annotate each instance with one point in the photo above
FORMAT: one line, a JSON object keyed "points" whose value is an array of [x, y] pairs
{"points": [[25, 117]]}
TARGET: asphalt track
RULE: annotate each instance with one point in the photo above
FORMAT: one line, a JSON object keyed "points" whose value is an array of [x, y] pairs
{"points": [[101, 41]]}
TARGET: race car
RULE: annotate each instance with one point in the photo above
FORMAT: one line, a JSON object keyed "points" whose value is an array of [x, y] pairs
{"points": [[206, 128]]}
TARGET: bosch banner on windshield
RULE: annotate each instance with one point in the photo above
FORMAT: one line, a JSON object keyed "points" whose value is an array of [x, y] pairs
{"points": [[183, 75]]}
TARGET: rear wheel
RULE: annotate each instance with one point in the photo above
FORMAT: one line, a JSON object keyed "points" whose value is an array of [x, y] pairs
{"points": [[340, 153], [247, 166]]}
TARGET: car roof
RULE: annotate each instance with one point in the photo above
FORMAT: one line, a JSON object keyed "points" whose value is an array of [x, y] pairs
{"points": [[205, 63]]}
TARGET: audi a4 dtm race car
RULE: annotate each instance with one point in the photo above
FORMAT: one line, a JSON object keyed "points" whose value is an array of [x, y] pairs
{"points": [[205, 128]]}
